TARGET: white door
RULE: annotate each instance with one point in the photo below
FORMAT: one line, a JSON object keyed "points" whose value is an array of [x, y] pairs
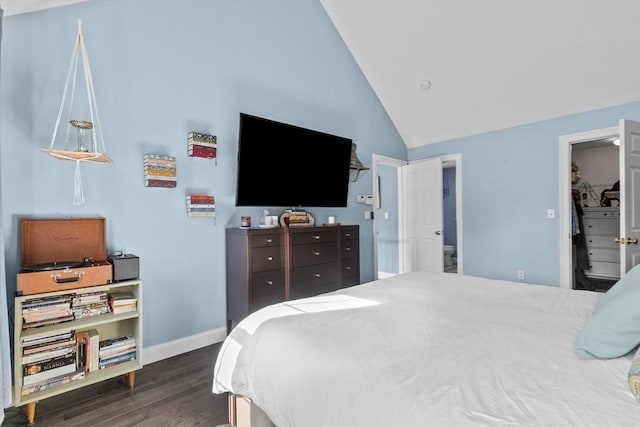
{"points": [[422, 216], [629, 188]]}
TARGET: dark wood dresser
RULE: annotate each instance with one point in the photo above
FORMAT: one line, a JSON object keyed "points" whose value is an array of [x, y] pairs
{"points": [[266, 266]]}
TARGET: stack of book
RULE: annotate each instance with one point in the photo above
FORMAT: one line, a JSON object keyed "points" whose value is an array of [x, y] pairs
{"points": [[116, 350], [49, 361], [159, 171], [299, 218], [87, 347], [46, 310], [90, 304], [201, 206], [122, 302], [202, 145]]}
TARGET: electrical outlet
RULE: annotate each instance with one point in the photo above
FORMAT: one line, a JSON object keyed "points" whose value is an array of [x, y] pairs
{"points": [[361, 198], [369, 200], [520, 274], [367, 214], [551, 213]]}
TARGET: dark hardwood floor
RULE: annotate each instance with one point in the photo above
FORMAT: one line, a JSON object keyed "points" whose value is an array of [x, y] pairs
{"points": [[172, 392]]}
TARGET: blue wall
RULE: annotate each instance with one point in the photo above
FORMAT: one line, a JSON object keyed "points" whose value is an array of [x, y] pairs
{"points": [[162, 69], [509, 180]]}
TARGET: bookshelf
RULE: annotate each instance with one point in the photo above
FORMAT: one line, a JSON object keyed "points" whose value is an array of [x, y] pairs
{"points": [[109, 326]]}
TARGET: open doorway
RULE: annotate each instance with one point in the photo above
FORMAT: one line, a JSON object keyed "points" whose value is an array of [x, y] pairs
{"points": [[391, 210], [596, 218]]}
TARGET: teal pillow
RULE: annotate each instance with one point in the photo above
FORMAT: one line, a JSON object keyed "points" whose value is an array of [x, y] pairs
{"points": [[614, 328]]}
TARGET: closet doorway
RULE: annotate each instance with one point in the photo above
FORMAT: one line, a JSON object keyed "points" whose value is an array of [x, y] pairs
{"points": [[626, 231]]}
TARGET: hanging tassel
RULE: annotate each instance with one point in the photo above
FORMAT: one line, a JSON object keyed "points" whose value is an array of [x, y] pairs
{"points": [[78, 195]]}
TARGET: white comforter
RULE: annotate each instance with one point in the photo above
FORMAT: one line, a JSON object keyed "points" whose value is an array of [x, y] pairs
{"points": [[425, 349]]}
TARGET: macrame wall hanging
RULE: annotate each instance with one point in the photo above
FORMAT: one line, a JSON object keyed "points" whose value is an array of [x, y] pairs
{"points": [[87, 133]]}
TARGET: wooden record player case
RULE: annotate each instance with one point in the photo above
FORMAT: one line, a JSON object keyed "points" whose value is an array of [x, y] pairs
{"points": [[47, 241]]}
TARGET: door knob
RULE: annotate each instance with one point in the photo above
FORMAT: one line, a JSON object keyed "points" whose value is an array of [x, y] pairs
{"points": [[438, 232], [627, 240]]}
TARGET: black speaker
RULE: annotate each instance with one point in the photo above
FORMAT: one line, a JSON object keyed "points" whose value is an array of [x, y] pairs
{"points": [[125, 266]]}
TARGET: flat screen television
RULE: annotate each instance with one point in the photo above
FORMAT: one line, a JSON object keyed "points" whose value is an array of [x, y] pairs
{"points": [[284, 165]]}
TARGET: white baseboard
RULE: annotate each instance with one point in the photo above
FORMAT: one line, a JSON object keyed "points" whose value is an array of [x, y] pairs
{"points": [[384, 275], [183, 345]]}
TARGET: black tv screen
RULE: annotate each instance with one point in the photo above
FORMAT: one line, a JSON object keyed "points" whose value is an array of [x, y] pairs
{"points": [[284, 165]]}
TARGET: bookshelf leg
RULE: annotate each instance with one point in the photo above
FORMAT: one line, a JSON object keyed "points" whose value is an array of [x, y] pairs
{"points": [[131, 379], [31, 412]]}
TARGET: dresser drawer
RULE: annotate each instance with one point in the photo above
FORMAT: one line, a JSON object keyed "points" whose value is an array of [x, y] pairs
{"points": [[606, 255], [267, 288], [605, 242], [349, 232], [259, 240], [602, 212], [314, 279], [600, 226], [604, 269], [350, 248], [318, 253], [267, 258], [316, 235], [350, 271]]}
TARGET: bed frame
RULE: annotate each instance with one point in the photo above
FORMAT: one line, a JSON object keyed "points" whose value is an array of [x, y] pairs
{"points": [[244, 413]]}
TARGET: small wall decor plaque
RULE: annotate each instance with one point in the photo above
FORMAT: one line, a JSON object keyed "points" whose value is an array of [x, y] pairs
{"points": [[159, 171], [202, 145]]}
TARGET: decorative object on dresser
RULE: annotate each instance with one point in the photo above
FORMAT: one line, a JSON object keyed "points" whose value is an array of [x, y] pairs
{"points": [[266, 266]]}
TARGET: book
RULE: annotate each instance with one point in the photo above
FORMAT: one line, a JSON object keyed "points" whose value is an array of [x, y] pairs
{"points": [[50, 345], [118, 359], [121, 298], [52, 382], [124, 308], [48, 322], [44, 375], [114, 342], [201, 151], [49, 364], [93, 348], [117, 351], [48, 354], [160, 183], [46, 338], [202, 138], [88, 298]]}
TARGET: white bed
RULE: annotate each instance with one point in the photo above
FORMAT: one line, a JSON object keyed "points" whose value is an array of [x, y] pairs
{"points": [[426, 349]]}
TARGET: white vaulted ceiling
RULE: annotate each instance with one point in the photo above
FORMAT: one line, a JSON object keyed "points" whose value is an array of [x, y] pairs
{"points": [[446, 69]]}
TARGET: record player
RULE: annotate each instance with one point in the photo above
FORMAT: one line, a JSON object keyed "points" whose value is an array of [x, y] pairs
{"points": [[61, 254]]}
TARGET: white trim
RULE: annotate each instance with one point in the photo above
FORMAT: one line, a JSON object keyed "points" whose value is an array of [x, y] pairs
{"points": [[183, 345], [564, 203]]}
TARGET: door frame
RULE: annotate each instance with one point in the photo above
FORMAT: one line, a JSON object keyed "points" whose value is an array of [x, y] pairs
{"points": [[450, 160], [564, 203]]}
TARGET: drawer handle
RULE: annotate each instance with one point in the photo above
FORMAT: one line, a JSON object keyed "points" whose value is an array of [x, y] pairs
{"points": [[269, 258], [269, 240], [316, 237], [316, 253], [269, 282], [316, 275], [347, 249], [347, 234], [347, 268]]}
